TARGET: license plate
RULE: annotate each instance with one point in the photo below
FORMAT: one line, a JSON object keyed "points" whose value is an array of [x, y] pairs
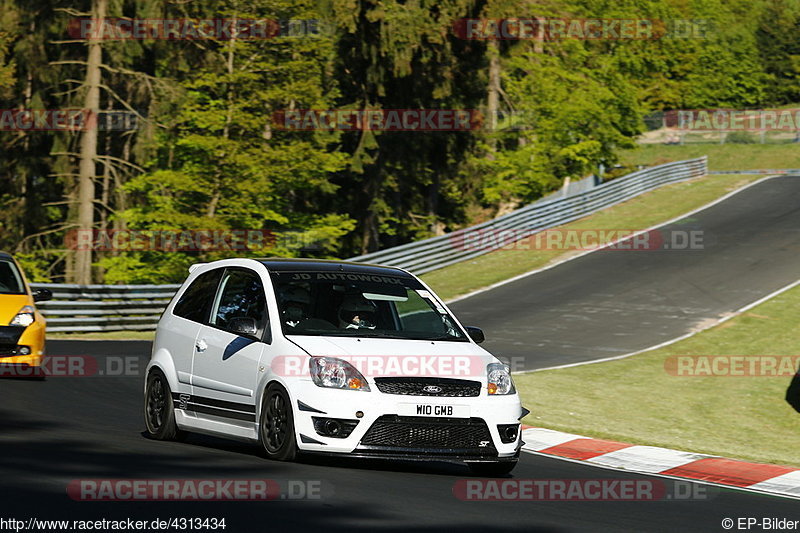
{"points": [[434, 410]]}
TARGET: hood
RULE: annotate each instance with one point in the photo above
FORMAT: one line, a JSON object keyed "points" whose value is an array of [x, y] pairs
{"points": [[10, 304], [401, 357]]}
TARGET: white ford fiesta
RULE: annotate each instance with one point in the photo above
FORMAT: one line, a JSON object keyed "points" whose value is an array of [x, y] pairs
{"points": [[329, 357]]}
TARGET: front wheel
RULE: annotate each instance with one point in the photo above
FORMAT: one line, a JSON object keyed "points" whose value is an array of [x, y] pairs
{"points": [[495, 469], [159, 411], [276, 427]]}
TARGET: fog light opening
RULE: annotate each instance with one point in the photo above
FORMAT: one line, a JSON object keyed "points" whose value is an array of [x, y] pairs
{"points": [[333, 428], [24, 350], [508, 432], [337, 428]]}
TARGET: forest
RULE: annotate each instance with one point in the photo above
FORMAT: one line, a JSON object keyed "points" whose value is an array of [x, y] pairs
{"points": [[147, 119]]}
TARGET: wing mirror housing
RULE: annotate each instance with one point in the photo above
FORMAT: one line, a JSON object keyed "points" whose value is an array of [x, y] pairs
{"points": [[476, 334], [243, 326], [42, 295]]}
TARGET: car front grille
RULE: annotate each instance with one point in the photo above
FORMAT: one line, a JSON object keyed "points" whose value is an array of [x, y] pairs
{"points": [[460, 388], [9, 336], [445, 434]]}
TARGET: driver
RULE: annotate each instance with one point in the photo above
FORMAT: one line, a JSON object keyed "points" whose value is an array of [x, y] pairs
{"points": [[296, 301], [356, 312]]}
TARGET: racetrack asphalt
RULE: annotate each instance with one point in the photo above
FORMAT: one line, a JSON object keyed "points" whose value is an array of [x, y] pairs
{"points": [[66, 429], [615, 301], [605, 303]]}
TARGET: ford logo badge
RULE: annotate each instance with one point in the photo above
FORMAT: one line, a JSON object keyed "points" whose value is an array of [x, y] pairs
{"points": [[431, 389]]}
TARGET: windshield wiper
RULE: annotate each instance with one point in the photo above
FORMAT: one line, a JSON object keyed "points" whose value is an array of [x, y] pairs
{"points": [[377, 335], [447, 337], [352, 333]]}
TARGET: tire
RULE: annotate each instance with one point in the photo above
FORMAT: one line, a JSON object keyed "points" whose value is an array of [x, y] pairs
{"points": [[159, 411], [496, 469], [276, 426], [793, 393]]}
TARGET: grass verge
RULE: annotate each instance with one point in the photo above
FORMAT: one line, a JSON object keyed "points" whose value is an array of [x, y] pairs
{"points": [[637, 400], [720, 156], [638, 213], [104, 336]]}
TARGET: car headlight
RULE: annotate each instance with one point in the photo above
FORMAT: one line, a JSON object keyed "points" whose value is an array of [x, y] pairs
{"points": [[499, 380], [24, 318], [336, 374]]}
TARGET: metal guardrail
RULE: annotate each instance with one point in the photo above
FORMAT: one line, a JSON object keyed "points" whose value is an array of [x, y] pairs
{"points": [[437, 252], [88, 308]]}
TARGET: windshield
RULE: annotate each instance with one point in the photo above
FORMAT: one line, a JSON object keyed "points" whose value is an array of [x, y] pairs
{"points": [[10, 279], [361, 305]]}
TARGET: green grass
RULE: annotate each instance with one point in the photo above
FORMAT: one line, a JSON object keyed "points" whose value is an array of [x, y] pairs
{"points": [[639, 213], [720, 156], [104, 336], [636, 400]]}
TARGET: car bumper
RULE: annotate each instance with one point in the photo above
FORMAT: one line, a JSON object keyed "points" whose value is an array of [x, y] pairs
{"points": [[386, 430], [12, 342], [427, 455]]}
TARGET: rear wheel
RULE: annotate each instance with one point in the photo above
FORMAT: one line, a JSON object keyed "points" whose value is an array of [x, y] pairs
{"points": [[276, 427], [159, 411], [492, 469]]}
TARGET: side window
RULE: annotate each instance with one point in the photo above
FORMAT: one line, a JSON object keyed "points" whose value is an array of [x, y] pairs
{"points": [[10, 280], [240, 297], [195, 303], [416, 312]]}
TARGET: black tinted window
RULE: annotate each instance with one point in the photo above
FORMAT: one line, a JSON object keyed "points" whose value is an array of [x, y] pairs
{"points": [[241, 296], [348, 304], [195, 303], [10, 279]]}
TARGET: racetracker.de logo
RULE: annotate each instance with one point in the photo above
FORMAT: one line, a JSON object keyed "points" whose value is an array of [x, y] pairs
{"points": [[222, 29], [510, 239], [117, 490], [703, 366], [451, 366], [173, 489], [75, 366], [560, 29], [590, 490], [733, 119], [378, 119], [198, 240], [66, 120]]}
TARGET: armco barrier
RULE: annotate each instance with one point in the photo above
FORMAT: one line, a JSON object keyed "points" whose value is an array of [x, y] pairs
{"points": [[437, 252], [87, 308]]}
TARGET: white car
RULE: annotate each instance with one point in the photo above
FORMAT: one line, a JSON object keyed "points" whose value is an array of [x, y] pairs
{"points": [[329, 357]]}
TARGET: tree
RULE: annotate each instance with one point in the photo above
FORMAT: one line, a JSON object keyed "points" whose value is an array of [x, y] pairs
{"points": [[88, 146], [6, 63], [778, 37], [223, 164], [405, 56]]}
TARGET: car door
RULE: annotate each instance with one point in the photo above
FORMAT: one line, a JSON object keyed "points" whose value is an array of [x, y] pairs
{"points": [[226, 360], [178, 332]]}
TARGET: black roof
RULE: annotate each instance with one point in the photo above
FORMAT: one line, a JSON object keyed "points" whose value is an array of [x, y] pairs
{"points": [[321, 265], [4, 255]]}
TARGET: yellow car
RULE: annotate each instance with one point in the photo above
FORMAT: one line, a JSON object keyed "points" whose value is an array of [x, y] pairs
{"points": [[21, 325]]}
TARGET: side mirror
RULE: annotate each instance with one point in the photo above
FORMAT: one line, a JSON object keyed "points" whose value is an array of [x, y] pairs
{"points": [[476, 334], [42, 295], [243, 326]]}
